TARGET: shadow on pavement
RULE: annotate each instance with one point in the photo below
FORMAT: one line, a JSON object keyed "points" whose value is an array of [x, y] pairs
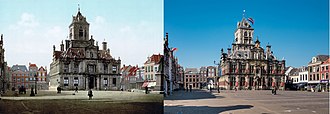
{"points": [[202, 109], [195, 94]]}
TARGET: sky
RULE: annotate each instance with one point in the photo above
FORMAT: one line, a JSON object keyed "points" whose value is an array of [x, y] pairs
{"points": [[30, 28], [297, 30]]}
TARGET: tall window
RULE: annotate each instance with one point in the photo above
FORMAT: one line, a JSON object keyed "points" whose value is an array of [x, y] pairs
{"points": [[75, 81], [105, 81], [91, 68], [105, 68], [66, 81], [76, 67], [81, 32], [66, 68], [114, 81], [251, 69], [114, 69], [156, 70]]}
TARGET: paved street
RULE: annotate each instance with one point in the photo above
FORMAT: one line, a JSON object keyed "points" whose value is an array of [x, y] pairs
{"points": [[103, 102], [247, 102]]}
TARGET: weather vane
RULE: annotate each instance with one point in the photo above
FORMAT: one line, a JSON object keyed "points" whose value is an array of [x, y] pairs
{"points": [[78, 8]]}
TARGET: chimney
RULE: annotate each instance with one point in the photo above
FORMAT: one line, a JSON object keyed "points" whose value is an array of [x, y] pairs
{"points": [[62, 46], [53, 48], [104, 45]]}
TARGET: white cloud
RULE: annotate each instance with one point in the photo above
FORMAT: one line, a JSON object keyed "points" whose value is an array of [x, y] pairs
{"points": [[133, 43], [28, 20], [28, 41]]}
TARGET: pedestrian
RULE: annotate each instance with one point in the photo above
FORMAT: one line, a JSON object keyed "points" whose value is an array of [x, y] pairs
{"points": [[190, 87], [76, 89], [275, 90], [218, 89], [187, 88], [90, 94], [58, 89], [146, 88]]}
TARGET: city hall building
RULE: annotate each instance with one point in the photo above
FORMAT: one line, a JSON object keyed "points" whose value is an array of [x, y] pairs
{"points": [[80, 63], [246, 65]]}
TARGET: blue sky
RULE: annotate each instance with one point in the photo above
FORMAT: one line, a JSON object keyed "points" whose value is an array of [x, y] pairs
{"points": [[133, 29], [296, 29]]}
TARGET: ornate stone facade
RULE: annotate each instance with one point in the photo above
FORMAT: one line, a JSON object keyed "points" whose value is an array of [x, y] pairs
{"points": [[247, 65], [81, 63]]}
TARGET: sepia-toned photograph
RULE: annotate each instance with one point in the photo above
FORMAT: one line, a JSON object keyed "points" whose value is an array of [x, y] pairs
{"points": [[81, 57]]}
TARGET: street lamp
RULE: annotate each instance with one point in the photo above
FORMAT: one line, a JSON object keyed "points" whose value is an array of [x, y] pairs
{"points": [[35, 85]]}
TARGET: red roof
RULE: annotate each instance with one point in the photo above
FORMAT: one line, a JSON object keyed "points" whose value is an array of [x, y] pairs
{"points": [[41, 68], [32, 65], [131, 70], [154, 58], [326, 61]]}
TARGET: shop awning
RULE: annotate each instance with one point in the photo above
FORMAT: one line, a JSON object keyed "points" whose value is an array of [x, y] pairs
{"points": [[152, 84], [145, 84]]}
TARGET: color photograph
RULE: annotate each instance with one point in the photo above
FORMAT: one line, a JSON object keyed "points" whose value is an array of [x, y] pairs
{"points": [[246, 57]]}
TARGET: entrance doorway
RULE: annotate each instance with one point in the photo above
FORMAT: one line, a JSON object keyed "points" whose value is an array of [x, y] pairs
{"points": [[91, 82]]}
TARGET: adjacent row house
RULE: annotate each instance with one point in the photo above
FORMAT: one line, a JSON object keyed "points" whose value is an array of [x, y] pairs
{"points": [[31, 77]]}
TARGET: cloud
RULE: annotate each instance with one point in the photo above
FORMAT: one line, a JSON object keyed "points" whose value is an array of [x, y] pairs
{"points": [[28, 40], [28, 20], [132, 42]]}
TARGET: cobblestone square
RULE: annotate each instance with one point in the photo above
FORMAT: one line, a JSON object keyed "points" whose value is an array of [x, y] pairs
{"points": [[247, 102], [49, 102]]}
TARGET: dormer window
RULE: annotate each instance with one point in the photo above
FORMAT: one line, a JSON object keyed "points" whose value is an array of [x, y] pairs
{"points": [[314, 59]]}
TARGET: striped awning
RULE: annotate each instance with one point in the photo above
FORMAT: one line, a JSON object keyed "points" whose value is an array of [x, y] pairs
{"points": [[145, 84]]}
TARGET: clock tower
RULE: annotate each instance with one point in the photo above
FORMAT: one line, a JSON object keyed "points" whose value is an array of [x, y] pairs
{"points": [[79, 28]]}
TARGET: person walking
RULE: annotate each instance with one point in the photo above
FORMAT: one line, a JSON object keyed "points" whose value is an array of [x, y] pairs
{"points": [[90, 94], [76, 90], [146, 88], [190, 87]]}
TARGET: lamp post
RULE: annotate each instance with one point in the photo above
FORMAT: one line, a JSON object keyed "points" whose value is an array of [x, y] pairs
{"points": [[35, 85]]}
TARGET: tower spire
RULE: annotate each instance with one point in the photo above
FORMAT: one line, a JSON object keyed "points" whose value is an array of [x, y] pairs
{"points": [[78, 8], [243, 13]]}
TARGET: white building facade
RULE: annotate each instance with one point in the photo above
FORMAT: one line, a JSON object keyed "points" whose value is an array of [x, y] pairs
{"points": [[81, 63]]}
